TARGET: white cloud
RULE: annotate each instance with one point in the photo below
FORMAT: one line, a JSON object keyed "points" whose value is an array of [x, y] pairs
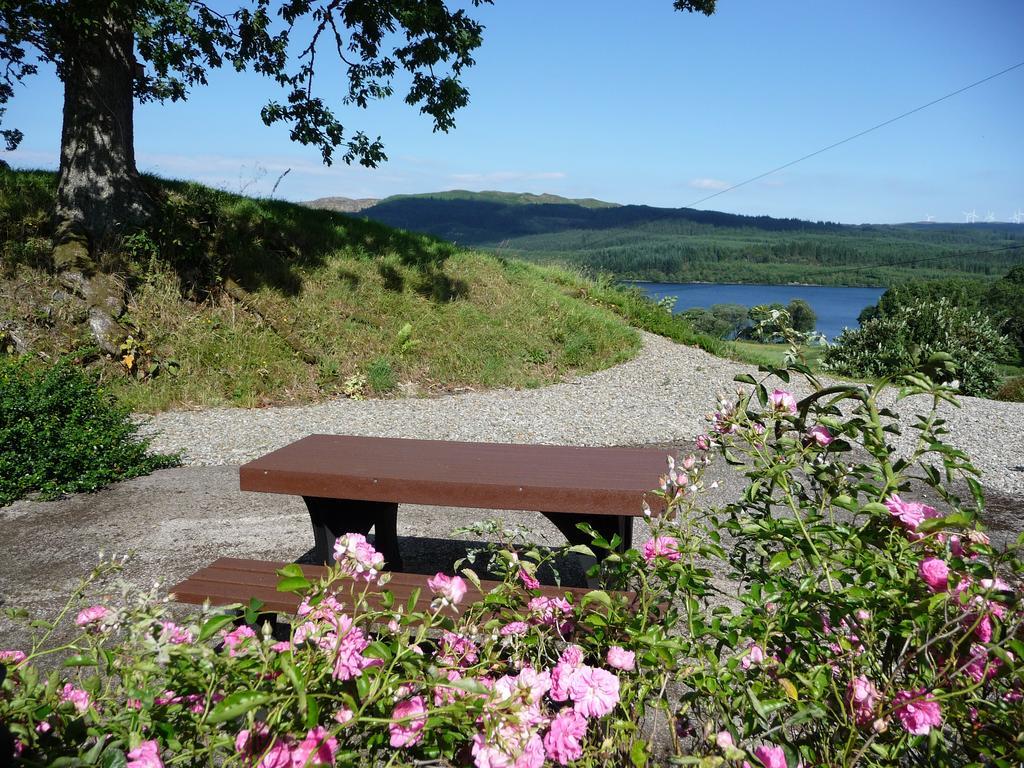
{"points": [[714, 185], [504, 176]]}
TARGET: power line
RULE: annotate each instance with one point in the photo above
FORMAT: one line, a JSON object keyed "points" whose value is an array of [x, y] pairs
{"points": [[856, 135]]}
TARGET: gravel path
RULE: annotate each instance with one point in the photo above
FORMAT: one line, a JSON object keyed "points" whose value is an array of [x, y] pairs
{"points": [[661, 396]]}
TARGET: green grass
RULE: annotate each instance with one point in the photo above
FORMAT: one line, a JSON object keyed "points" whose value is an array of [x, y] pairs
{"points": [[769, 354], [318, 286]]}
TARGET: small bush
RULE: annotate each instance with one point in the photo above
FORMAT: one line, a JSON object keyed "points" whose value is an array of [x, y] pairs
{"points": [[896, 342], [1012, 390], [60, 433], [380, 375]]}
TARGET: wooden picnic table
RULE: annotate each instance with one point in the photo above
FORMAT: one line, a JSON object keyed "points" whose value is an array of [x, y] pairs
{"points": [[352, 484]]}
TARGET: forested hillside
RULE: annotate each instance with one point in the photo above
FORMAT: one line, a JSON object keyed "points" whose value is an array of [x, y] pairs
{"points": [[681, 244]]}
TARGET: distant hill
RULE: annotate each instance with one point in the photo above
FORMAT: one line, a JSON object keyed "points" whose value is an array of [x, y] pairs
{"points": [[684, 244]]}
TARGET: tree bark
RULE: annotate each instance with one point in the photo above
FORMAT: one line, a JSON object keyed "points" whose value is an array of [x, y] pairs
{"points": [[99, 192]]}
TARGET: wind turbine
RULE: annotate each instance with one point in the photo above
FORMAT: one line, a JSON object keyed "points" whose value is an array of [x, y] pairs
{"points": [[1018, 217], [929, 217], [991, 217], [970, 216]]}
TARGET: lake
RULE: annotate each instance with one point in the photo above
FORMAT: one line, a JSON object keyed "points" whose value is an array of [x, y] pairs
{"points": [[836, 307]]}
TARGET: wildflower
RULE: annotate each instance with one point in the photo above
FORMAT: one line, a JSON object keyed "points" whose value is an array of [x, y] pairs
{"points": [[552, 612], [782, 401], [661, 546], [752, 656], [724, 740], [146, 755], [12, 657], [594, 691], [820, 435], [910, 513], [564, 741], [514, 628], [91, 617], [357, 557], [935, 573], [620, 658], [862, 696], [344, 715], [529, 581], [703, 443], [413, 714], [236, 639], [76, 696], [457, 650], [175, 635], [980, 665], [771, 756], [349, 661], [918, 711], [450, 589], [318, 748]]}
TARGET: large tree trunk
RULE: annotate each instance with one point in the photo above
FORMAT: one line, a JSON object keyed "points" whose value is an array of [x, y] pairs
{"points": [[99, 194]]}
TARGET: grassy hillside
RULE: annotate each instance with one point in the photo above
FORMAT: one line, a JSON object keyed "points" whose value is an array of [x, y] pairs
{"points": [[252, 302], [666, 244]]}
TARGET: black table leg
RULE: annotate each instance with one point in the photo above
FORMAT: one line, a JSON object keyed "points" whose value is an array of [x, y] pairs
{"points": [[332, 518], [606, 525]]}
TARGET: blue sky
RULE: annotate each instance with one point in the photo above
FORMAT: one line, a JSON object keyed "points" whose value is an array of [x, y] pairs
{"points": [[637, 103]]}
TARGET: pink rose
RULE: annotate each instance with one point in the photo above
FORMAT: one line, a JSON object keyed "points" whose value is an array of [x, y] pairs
{"points": [[782, 400], [451, 589], [529, 581], [514, 628], [413, 716], [235, 639], [564, 742], [92, 616], [318, 748], [12, 657], [357, 557], [771, 756], [910, 513], [146, 755], [918, 711], [703, 443], [619, 658], [344, 715], [820, 435], [78, 697], [350, 643], [752, 656], [661, 546], [174, 634], [935, 573], [594, 691], [862, 696], [724, 740]]}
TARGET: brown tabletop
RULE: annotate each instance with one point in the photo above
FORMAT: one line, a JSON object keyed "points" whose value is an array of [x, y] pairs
{"points": [[352, 484], [548, 478]]}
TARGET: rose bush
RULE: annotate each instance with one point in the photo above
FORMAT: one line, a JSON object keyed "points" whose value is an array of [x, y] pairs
{"points": [[847, 610]]}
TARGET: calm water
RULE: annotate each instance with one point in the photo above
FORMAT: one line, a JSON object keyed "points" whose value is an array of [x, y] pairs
{"points": [[836, 307]]}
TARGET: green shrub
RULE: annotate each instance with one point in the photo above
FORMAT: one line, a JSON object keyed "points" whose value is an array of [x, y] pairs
{"points": [[897, 341], [60, 433], [380, 375], [1011, 390]]}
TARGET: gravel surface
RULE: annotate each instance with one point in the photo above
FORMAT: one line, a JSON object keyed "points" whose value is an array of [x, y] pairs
{"points": [[662, 396]]}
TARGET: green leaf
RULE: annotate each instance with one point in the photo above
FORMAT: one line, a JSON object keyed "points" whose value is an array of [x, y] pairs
{"points": [[292, 570], [287, 664], [597, 596], [238, 704], [293, 584], [744, 378], [638, 753], [780, 561], [214, 625]]}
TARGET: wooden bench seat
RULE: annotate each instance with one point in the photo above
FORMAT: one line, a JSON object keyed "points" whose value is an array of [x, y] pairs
{"points": [[231, 580]]}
